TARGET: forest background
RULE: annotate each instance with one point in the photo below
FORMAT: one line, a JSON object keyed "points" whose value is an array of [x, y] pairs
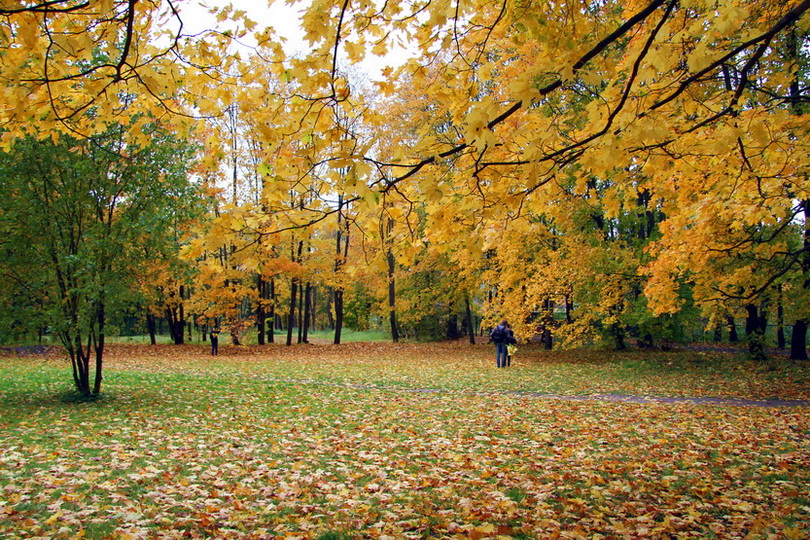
{"points": [[595, 172]]}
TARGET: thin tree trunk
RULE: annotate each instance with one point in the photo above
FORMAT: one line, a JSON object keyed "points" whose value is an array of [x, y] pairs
{"points": [[83, 360], [780, 319], [338, 315], [718, 333], [294, 284], [99, 348], [150, 327], [300, 313], [470, 322], [271, 331], [330, 305], [568, 317], [182, 317], [755, 332], [341, 254], [452, 326], [172, 321], [313, 309], [307, 310], [392, 298], [732, 330], [386, 234], [260, 315], [291, 315], [74, 361], [798, 340]]}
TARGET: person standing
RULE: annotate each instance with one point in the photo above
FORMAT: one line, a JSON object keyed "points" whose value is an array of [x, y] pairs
{"points": [[214, 341], [502, 336]]}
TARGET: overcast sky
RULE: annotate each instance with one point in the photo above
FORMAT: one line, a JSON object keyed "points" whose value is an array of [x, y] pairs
{"points": [[283, 18]]}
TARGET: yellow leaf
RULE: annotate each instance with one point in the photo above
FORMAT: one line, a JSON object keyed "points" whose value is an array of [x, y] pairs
{"points": [[486, 528], [103, 6], [567, 73], [434, 195], [591, 78], [27, 29]]}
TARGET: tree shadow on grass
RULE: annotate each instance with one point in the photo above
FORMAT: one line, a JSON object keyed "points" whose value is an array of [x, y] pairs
{"points": [[23, 403]]}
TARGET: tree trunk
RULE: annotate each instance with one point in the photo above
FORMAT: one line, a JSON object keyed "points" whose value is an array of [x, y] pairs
{"points": [[617, 333], [175, 325], [150, 326], [260, 314], [452, 327], [568, 317], [341, 254], [291, 315], [307, 310], [313, 309], [470, 323], [181, 311], [99, 346], [330, 306], [79, 359], [798, 340], [271, 328], [392, 297], [300, 313], [236, 338], [338, 299], [547, 337], [732, 330], [74, 361], [780, 319], [175, 318], [83, 360], [294, 285], [755, 332]]}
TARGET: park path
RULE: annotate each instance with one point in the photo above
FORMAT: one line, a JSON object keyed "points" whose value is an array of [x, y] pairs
{"points": [[621, 398], [737, 402]]}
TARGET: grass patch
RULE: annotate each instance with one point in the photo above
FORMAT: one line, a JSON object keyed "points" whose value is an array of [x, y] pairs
{"points": [[339, 442], [352, 336]]}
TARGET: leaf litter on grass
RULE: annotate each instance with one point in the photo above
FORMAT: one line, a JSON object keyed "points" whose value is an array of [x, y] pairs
{"points": [[190, 447]]}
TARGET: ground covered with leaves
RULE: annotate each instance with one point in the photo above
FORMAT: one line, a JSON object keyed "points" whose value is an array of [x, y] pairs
{"points": [[403, 441]]}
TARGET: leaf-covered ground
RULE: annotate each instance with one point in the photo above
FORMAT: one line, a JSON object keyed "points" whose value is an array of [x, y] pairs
{"points": [[407, 441]]}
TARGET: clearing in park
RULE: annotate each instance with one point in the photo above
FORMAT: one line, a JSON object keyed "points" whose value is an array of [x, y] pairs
{"points": [[371, 440]]}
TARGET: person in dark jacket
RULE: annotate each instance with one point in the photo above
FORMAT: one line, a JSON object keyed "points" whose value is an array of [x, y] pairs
{"points": [[502, 336]]}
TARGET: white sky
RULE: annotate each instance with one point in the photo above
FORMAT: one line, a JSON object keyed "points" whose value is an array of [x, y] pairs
{"points": [[283, 18]]}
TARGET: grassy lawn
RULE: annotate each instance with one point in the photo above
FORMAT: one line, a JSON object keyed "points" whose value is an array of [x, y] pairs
{"points": [[250, 338], [370, 440]]}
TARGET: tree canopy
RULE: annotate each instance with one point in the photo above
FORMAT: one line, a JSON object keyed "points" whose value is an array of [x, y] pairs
{"points": [[641, 165]]}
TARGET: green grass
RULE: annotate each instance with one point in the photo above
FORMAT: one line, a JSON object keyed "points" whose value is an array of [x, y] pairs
{"points": [[145, 340], [347, 336], [352, 336], [333, 442]]}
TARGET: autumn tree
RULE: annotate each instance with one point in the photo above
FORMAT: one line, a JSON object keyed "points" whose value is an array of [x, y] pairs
{"points": [[667, 102], [80, 210], [645, 158]]}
